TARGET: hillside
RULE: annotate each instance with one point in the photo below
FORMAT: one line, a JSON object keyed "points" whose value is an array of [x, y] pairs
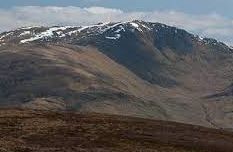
{"points": [[42, 131], [140, 69]]}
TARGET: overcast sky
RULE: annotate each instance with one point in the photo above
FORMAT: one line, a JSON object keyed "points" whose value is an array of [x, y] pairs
{"points": [[210, 18]]}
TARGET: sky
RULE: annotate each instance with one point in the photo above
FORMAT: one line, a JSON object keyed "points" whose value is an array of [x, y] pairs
{"points": [[208, 18]]}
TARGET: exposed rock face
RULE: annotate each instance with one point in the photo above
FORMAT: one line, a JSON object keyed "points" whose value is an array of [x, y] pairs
{"points": [[134, 68]]}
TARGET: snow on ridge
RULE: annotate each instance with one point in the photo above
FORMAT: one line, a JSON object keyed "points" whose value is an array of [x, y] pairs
{"points": [[96, 28], [45, 34], [59, 30], [108, 27], [91, 26], [103, 27], [82, 28]]}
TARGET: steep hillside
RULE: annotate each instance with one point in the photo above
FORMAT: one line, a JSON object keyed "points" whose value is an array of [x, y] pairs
{"points": [[137, 68]]}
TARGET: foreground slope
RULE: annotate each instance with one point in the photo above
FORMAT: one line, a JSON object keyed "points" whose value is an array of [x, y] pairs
{"points": [[136, 68], [43, 131]]}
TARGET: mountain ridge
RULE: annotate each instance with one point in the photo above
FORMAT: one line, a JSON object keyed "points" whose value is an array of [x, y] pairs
{"points": [[137, 24]]}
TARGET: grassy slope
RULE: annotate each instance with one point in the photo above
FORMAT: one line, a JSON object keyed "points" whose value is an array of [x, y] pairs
{"points": [[42, 131], [82, 78]]}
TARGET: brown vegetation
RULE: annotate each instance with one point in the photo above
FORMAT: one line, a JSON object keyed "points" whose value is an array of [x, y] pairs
{"points": [[44, 131]]}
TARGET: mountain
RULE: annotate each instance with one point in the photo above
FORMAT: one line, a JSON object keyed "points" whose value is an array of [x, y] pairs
{"points": [[137, 68]]}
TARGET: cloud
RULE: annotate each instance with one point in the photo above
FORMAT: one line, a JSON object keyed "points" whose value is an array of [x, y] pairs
{"points": [[102, 10], [208, 25]]}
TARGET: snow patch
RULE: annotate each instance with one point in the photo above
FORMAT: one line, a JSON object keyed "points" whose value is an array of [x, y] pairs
{"points": [[200, 37], [135, 25], [25, 33], [83, 28], [229, 46], [163, 26], [117, 36], [72, 32]]}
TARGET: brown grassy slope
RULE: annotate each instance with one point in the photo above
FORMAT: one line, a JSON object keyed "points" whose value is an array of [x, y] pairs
{"points": [[43, 131], [83, 78]]}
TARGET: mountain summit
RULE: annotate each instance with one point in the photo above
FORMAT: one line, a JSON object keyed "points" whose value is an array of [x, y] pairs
{"points": [[136, 68]]}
